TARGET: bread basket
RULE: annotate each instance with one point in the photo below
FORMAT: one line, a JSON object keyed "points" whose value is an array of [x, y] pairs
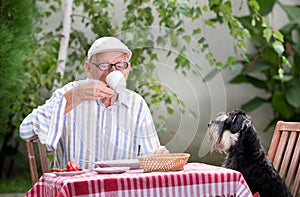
{"points": [[163, 162]]}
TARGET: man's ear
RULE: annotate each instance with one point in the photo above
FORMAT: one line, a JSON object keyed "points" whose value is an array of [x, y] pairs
{"points": [[87, 69]]}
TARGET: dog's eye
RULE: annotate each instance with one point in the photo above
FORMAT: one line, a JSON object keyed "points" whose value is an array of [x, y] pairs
{"points": [[227, 122]]}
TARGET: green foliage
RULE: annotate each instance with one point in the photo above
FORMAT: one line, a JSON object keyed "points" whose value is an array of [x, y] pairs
{"points": [[278, 77], [17, 184], [16, 28], [15, 36]]}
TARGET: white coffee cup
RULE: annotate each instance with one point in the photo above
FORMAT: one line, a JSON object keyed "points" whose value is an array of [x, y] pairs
{"points": [[116, 81]]}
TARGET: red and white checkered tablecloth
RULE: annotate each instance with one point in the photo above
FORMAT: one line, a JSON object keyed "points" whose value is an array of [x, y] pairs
{"points": [[196, 179]]}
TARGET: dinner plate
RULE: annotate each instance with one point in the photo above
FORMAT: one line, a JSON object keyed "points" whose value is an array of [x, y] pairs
{"points": [[112, 170], [131, 163], [69, 173]]}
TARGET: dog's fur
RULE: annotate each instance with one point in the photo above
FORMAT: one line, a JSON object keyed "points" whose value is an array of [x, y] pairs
{"points": [[234, 134]]}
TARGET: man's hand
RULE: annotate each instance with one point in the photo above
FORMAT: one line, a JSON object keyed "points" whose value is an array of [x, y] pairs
{"points": [[92, 90]]}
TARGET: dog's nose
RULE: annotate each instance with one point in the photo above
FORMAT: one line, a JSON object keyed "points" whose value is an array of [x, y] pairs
{"points": [[209, 124]]}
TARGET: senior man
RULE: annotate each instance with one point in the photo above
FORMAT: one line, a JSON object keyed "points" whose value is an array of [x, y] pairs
{"points": [[87, 120]]}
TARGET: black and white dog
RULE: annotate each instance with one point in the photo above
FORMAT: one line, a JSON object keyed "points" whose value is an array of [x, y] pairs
{"points": [[234, 134]]}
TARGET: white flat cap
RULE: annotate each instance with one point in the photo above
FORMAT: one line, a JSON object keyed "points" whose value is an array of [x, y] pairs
{"points": [[105, 44]]}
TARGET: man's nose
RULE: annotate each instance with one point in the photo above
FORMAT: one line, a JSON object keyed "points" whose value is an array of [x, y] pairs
{"points": [[113, 68]]}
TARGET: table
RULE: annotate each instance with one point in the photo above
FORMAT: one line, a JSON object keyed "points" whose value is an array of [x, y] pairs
{"points": [[197, 179]]}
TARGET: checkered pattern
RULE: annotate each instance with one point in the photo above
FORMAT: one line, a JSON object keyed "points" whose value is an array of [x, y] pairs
{"points": [[195, 180]]}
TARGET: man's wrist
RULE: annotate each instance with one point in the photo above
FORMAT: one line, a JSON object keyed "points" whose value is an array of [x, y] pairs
{"points": [[70, 101]]}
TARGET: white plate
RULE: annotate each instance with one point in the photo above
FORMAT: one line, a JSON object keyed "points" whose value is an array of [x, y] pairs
{"points": [[131, 163], [112, 170], [70, 173]]}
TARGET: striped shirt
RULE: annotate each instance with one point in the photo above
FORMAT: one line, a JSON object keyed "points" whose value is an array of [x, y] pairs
{"points": [[91, 131]]}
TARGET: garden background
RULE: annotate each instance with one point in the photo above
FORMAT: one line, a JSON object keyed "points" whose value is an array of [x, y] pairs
{"points": [[190, 60]]}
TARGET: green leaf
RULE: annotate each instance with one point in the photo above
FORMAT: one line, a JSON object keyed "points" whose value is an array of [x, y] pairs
{"points": [[266, 6], [170, 109], [290, 26], [253, 104], [187, 38], [251, 80], [239, 79], [211, 74], [254, 4], [293, 97], [286, 61], [267, 33], [281, 106], [230, 61], [253, 22], [227, 8], [265, 21], [270, 55], [292, 11], [201, 40], [280, 73], [257, 67], [278, 36], [173, 38], [160, 40], [197, 31], [168, 100], [278, 47], [209, 23], [242, 44], [156, 101], [283, 78], [205, 8]]}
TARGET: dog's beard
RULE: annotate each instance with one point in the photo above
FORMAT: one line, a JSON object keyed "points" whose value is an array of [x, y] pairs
{"points": [[225, 141], [221, 140]]}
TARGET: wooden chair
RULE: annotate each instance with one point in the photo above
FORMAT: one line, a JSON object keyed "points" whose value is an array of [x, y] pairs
{"points": [[34, 158], [284, 152]]}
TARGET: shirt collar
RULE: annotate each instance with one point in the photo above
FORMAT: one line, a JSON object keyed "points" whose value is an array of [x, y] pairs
{"points": [[124, 97]]}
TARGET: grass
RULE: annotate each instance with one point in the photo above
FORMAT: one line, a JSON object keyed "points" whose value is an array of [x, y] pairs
{"points": [[18, 184]]}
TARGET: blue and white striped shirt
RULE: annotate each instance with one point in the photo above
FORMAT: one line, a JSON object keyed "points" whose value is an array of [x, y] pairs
{"points": [[91, 131]]}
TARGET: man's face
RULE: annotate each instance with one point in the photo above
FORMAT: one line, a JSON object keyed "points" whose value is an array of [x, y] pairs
{"points": [[110, 57]]}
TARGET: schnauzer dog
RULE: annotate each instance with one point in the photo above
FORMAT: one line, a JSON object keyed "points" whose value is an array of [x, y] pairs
{"points": [[234, 134]]}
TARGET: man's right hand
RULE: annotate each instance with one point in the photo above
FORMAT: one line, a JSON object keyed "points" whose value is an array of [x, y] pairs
{"points": [[92, 90]]}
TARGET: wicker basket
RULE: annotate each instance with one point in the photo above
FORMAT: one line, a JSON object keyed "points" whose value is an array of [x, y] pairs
{"points": [[163, 162]]}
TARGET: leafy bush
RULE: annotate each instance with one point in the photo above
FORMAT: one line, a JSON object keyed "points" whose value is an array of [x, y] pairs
{"points": [[281, 84], [16, 30]]}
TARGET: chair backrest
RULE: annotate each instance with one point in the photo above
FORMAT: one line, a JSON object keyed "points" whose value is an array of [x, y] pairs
{"points": [[284, 152], [34, 158]]}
